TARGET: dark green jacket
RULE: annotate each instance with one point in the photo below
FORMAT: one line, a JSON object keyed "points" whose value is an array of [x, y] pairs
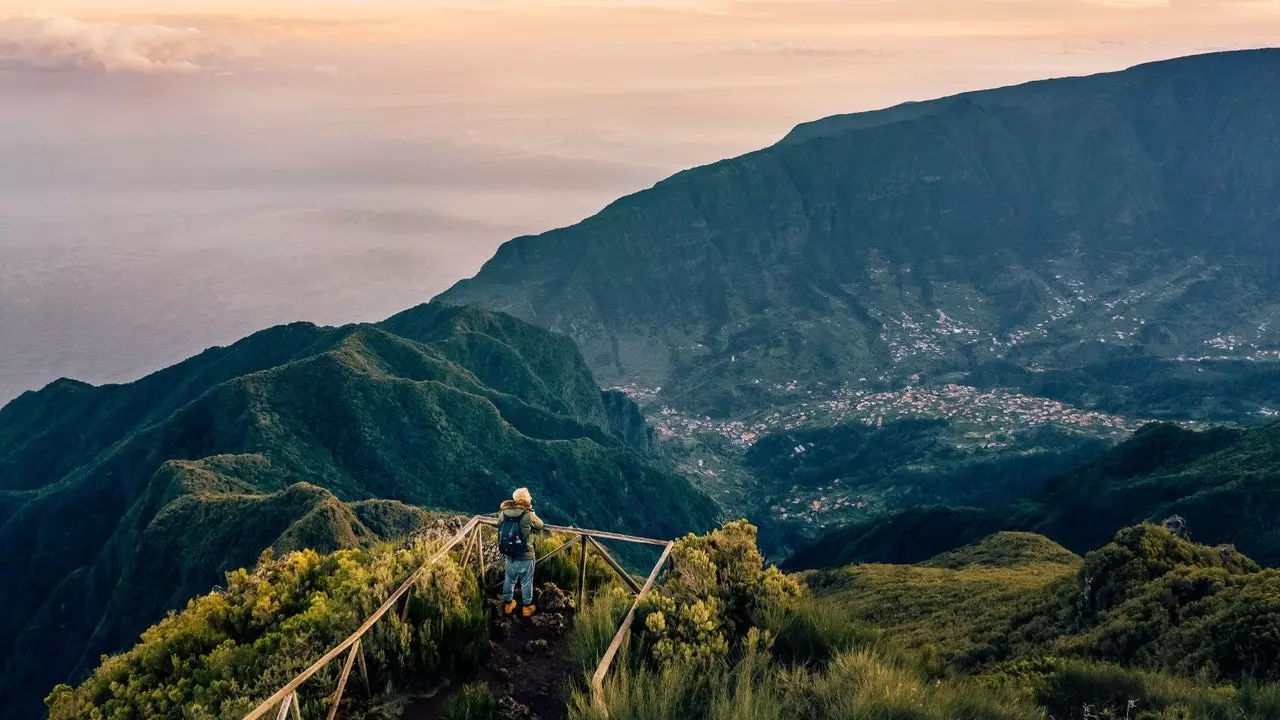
{"points": [[529, 524]]}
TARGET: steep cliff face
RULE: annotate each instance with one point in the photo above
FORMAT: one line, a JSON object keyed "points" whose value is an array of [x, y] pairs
{"points": [[628, 421], [1049, 225], [121, 502]]}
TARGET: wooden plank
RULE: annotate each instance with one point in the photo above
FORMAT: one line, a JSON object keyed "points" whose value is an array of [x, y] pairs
{"points": [[404, 609], [617, 567], [328, 657], [342, 680], [597, 679], [364, 669], [465, 556], [582, 576], [479, 533], [567, 544], [284, 707], [465, 552], [297, 712], [488, 520]]}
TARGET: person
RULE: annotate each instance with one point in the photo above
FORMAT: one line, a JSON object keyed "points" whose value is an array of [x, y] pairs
{"points": [[515, 540]]}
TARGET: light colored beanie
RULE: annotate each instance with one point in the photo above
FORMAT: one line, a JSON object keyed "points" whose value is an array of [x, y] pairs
{"points": [[522, 495]]}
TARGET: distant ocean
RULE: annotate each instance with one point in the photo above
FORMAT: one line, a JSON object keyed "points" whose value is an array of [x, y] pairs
{"points": [[139, 227]]}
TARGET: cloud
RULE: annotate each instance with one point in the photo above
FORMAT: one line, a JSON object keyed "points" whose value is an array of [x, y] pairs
{"points": [[46, 41]]}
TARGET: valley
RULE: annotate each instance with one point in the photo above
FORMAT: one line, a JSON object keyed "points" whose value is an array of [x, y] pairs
{"points": [[974, 428]]}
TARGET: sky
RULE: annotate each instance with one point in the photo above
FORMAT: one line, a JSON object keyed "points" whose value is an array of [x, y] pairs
{"points": [[176, 174]]}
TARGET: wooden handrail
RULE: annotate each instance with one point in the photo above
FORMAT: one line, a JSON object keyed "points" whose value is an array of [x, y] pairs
{"points": [[617, 567], [489, 520], [597, 679], [286, 698], [318, 665]]}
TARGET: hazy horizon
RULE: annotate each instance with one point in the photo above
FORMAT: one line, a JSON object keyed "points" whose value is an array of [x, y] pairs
{"points": [[178, 181]]}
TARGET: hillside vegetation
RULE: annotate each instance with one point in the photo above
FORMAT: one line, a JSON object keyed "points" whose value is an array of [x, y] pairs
{"points": [[1147, 600], [1223, 482], [229, 650], [121, 502], [807, 479], [1013, 626]]}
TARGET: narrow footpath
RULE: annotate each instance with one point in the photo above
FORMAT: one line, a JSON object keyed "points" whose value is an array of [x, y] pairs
{"points": [[528, 666]]}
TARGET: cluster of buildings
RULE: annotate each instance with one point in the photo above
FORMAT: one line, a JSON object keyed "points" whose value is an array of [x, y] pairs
{"points": [[906, 337], [997, 410], [999, 413], [819, 510]]}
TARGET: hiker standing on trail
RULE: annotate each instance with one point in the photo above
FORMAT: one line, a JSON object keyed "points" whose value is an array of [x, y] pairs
{"points": [[515, 541]]}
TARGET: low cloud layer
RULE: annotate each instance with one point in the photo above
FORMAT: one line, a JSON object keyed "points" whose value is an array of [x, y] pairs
{"points": [[50, 42]]}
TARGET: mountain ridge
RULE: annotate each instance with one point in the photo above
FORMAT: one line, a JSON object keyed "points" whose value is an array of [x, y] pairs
{"points": [[1045, 224], [120, 502]]}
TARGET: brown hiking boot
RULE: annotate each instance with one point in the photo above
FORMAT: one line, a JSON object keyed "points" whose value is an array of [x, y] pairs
{"points": [[509, 607], [529, 610]]}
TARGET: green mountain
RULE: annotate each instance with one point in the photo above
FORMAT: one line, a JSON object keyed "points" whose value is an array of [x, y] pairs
{"points": [[1116, 232], [1222, 482], [118, 503], [1147, 599]]}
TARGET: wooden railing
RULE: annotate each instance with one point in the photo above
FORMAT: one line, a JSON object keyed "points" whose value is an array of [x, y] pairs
{"points": [[286, 703]]}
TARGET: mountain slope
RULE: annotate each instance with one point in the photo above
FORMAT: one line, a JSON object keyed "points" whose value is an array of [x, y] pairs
{"points": [[122, 501], [1146, 599], [1225, 483], [1052, 225]]}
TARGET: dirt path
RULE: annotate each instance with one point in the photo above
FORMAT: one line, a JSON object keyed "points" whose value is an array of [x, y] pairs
{"points": [[528, 662]]}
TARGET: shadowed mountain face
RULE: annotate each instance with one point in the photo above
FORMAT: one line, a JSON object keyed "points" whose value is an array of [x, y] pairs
{"points": [[118, 503], [1048, 226]]}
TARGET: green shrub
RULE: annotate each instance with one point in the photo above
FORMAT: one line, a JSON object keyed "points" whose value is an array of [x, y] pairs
{"points": [[230, 649], [814, 631], [595, 626], [860, 685], [727, 639], [1064, 688], [1125, 567], [717, 590], [472, 702]]}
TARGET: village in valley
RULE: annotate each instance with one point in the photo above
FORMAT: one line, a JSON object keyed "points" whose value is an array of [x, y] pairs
{"points": [[983, 423], [996, 414]]}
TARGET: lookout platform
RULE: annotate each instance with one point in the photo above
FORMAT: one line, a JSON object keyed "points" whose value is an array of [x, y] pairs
{"points": [[468, 543]]}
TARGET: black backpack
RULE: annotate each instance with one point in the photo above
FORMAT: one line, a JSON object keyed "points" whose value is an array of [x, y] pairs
{"points": [[510, 539]]}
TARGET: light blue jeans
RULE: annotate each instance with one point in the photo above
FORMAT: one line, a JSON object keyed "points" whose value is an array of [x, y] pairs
{"points": [[519, 571]]}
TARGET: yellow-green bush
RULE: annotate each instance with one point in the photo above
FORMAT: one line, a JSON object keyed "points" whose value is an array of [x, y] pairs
{"points": [[230, 649], [718, 588]]}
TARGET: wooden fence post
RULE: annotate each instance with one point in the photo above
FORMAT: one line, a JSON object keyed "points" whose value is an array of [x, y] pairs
{"points": [[342, 680], [617, 567], [364, 669], [582, 576], [284, 707], [597, 678]]}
